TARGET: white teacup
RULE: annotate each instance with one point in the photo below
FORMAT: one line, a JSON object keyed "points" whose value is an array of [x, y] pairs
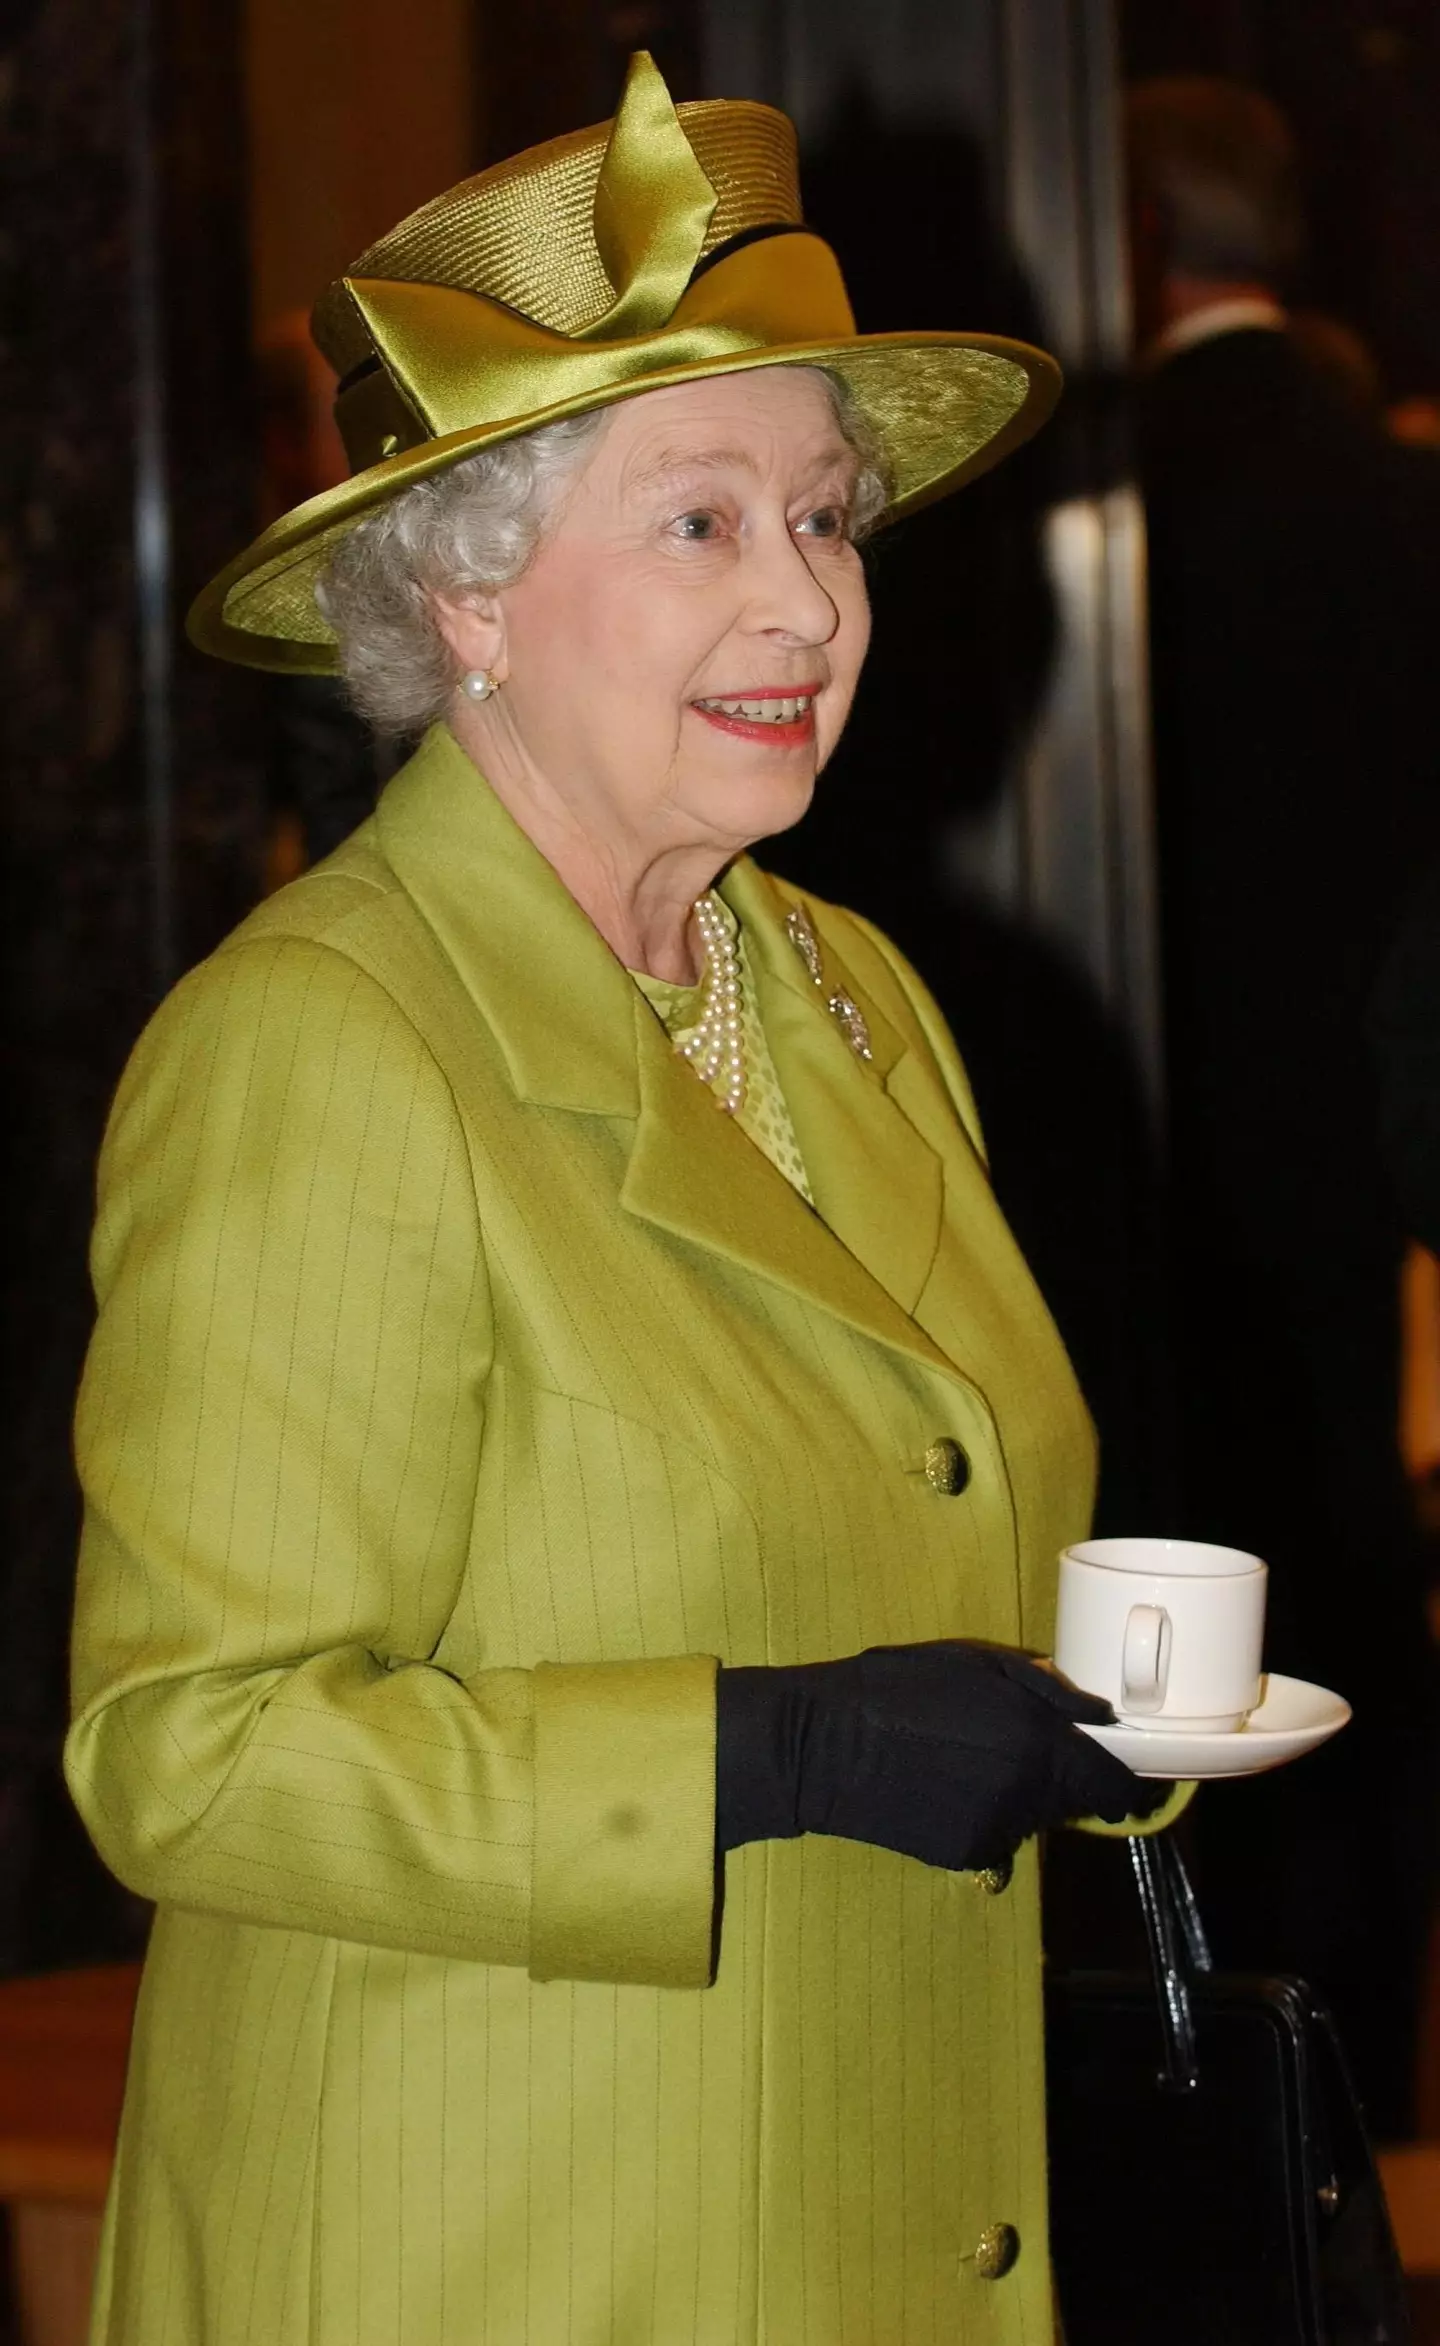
{"points": [[1169, 1631]]}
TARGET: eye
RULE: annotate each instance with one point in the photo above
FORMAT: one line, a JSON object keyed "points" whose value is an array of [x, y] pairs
{"points": [[697, 527], [827, 521]]}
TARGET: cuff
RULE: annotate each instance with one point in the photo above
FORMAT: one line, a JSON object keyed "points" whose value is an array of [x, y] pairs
{"points": [[623, 1887], [1174, 1807]]}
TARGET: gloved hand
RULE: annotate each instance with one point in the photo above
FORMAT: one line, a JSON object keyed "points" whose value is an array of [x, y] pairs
{"points": [[953, 1753]]}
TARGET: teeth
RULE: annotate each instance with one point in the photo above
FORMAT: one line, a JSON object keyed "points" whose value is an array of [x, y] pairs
{"points": [[770, 711]]}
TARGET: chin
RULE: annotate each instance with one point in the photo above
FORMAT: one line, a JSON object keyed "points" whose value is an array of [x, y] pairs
{"points": [[761, 807]]}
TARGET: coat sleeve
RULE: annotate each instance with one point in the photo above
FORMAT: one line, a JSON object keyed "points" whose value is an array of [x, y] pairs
{"points": [[278, 1437]]}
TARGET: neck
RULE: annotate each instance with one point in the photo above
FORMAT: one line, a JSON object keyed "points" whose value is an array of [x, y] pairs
{"points": [[639, 893]]}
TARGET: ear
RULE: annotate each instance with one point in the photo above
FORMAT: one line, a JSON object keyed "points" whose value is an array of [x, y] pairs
{"points": [[474, 629]]}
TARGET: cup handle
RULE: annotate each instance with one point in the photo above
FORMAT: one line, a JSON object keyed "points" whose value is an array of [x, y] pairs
{"points": [[1145, 1662]]}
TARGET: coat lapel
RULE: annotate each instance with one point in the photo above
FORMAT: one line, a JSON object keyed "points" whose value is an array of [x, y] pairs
{"points": [[558, 1002], [694, 1173], [876, 1182], [577, 1034]]}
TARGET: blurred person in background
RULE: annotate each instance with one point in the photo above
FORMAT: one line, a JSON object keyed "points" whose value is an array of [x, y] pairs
{"points": [[1295, 612], [1343, 359]]}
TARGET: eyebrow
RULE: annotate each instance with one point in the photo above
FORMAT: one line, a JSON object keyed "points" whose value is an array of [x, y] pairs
{"points": [[671, 462]]}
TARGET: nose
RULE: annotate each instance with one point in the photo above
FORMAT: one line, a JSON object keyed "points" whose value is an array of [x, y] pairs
{"points": [[786, 598]]}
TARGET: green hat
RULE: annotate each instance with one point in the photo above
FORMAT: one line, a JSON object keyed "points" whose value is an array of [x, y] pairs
{"points": [[660, 247]]}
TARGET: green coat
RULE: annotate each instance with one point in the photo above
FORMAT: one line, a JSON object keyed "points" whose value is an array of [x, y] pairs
{"points": [[464, 1384]]}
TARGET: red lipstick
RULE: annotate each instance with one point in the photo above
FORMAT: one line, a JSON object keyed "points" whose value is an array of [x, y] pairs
{"points": [[786, 733]]}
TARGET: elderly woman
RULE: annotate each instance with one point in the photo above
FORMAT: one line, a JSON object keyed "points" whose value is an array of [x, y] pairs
{"points": [[573, 1456]]}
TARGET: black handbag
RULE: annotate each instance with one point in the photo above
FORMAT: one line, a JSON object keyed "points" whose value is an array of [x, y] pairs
{"points": [[1211, 2182]]}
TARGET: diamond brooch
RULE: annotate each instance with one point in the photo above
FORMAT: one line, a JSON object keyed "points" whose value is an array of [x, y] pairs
{"points": [[846, 1012], [805, 942], [850, 1019]]}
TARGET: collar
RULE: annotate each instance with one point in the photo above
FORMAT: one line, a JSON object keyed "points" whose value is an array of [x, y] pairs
{"points": [[559, 1003], [577, 1034], [1246, 314]]}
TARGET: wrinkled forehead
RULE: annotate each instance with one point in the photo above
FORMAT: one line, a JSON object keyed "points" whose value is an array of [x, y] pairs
{"points": [[768, 423]]}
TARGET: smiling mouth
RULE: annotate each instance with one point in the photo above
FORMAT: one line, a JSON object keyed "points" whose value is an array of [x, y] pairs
{"points": [[784, 719], [766, 708]]}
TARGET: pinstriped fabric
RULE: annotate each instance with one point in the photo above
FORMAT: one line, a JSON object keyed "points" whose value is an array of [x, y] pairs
{"points": [[252, 1338], [394, 1401]]}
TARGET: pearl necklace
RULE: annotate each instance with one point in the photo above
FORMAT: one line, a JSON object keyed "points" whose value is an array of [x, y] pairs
{"points": [[716, 1049]]}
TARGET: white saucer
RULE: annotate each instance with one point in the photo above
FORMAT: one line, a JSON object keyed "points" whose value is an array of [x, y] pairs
{"points": [[1292, 1718]]}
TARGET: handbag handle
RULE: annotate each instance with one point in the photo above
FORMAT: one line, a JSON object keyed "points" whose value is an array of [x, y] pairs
{"points": [[1186, 1910], [1178, 1948]]}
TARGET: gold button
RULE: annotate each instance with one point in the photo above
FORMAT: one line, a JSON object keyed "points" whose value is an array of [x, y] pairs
{"points": [[390, 445], [996, 2251], [994, 1878], [947, 1469]]}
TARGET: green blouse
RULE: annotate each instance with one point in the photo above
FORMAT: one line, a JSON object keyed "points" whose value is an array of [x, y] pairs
{"points": [[763, 1116]]}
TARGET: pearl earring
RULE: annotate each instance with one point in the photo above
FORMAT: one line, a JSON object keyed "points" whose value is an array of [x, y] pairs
{"points": [[478, 684]]}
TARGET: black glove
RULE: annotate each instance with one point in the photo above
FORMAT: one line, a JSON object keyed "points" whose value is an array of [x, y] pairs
{"points": [[953, 1753]]}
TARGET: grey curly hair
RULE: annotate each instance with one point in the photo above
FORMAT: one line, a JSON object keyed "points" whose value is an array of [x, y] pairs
{"points": [[472, 529]]}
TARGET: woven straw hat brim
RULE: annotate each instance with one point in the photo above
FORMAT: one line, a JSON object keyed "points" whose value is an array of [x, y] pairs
{"points": [[944, 407]]}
